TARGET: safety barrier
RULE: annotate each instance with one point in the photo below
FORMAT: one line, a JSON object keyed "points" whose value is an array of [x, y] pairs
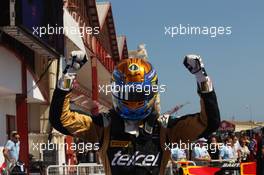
{"points": [[80, 169]]}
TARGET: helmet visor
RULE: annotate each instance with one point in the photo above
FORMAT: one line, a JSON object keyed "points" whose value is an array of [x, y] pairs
{"points": [[133, 92]]}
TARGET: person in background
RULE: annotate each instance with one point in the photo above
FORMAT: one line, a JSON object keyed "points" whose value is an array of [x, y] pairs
{"points": [[247, 139], [213, 148], [236, 147], [227, 152], [11, 151], [200, 153], [253, 145], [244, 150], [178, 154]]}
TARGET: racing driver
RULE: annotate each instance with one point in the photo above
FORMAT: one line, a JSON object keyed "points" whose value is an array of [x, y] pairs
{"points": [[133, 137]]}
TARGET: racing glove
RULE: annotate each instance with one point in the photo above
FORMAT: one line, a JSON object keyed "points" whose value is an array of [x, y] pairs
{"points": [[74, 63], [195, 65]]}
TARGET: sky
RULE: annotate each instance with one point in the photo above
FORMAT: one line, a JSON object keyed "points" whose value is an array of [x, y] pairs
{"points": [[234, 61]]}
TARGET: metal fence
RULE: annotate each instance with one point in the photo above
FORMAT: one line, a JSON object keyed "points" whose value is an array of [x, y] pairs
{"points": [[80, 169]]}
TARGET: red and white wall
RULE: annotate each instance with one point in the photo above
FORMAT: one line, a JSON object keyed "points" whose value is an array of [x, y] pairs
{"points": [[11, 81]]}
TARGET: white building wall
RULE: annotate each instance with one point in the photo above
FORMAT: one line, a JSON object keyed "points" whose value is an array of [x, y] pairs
{"points": [[7, 106], [10, 84], [10, 73], [34, 94]]}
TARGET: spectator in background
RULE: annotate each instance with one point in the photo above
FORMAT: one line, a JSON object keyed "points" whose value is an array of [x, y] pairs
{"points": [[178, 154], [253, 145], [260, 155], [244, 150], [236, 147], [11, 150], [227, 151], [213, 148], [200, 153]]}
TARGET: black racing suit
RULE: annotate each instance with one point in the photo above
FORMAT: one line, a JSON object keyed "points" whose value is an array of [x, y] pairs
{"points": [[126, 154]]}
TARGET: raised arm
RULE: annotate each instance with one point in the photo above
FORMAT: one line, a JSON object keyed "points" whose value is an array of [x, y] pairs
{"points": [[69, 122], [192, 126]]}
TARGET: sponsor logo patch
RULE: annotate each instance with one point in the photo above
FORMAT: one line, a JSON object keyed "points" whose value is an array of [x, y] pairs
{"points": [[119, 143], [137, 159]]}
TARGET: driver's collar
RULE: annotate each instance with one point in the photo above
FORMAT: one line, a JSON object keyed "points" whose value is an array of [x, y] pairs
{"points": [[132, 127]]}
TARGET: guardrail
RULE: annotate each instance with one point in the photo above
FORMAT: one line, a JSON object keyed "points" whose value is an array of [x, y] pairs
{"points": [[80, 169]]}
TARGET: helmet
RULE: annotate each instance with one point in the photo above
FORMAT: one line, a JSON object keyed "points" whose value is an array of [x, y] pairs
{"points": [[133, 91]]}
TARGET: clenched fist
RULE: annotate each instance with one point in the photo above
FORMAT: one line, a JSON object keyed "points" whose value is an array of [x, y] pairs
{"points": [[195, 65], [76, 61]]}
